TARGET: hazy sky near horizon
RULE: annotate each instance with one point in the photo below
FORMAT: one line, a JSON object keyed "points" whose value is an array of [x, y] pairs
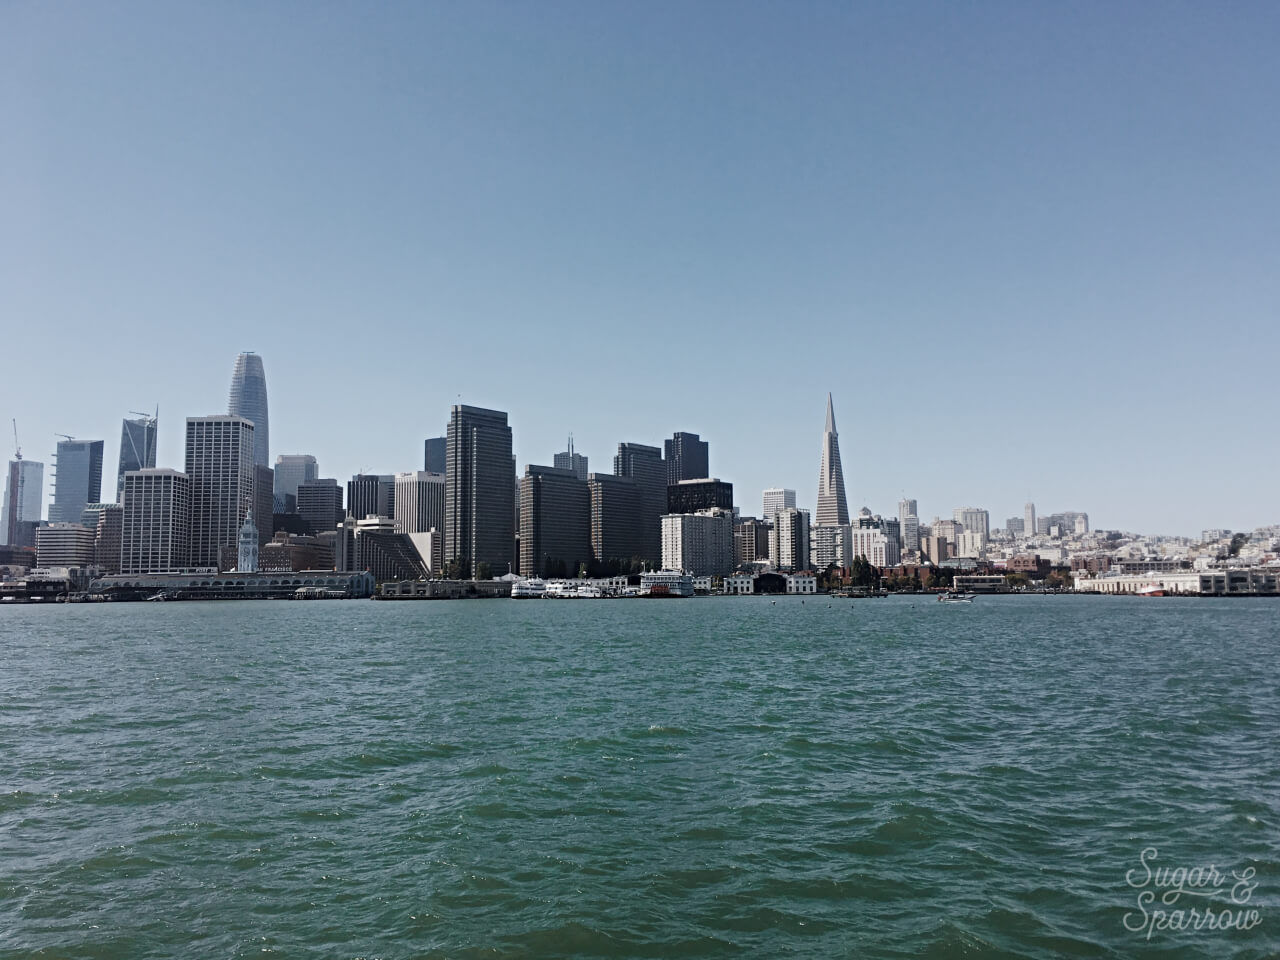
{"points": [[1032, 250]]}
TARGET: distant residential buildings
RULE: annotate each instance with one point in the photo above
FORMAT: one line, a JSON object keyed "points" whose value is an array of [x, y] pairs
{"points": [[156, 523], [832, 510], [137, 447], [480, 491], [248, 399], [687, 458], [77, 480]]}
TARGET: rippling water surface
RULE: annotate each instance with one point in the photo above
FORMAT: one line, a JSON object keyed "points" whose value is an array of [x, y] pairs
{"points": [[706, 778]]}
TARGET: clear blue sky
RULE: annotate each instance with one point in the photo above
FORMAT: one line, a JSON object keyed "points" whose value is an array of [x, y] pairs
{"points": [[1032, 249]]}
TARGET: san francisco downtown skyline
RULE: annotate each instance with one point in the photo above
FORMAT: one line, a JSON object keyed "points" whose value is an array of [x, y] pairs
{"points": [[1028, 263]]}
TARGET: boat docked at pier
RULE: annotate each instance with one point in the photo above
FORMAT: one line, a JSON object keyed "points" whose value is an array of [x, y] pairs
{"points": [[533, 588], [666, 583]]}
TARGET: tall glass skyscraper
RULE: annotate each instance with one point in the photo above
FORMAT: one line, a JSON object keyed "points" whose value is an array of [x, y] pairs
{"points": [[22, 501], [249, 400], [77, 479], [137, 448]]}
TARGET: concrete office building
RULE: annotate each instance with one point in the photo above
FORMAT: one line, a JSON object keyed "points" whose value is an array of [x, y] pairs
{"points": [[419, 502], [156, 521], [479, 491], [371, 495], [687, 458], [644, 465], [617, 525], [220, 469], [774, 499], [320, 503], [64, 545], [77, 479], [108, 532], [699, 544], [248, 399], [555, 522], [137, 447], [750, 541]]}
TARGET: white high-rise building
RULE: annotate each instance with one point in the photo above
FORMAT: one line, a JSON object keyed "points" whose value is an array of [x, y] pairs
{"points": [[971, 544], [876, 545], [156, 522], [220, 468], [789, 540], [776, 499], [1029, 520], [419, 501], [699, 543]]}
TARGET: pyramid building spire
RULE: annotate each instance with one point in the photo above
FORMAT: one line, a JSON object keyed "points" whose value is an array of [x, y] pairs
{"points": [[833, 509]]}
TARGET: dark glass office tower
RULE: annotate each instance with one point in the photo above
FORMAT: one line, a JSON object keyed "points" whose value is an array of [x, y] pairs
{"points": [[479, 491], [686, 457]]}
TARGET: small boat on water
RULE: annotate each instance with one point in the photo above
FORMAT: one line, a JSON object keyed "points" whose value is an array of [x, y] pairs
{"points": [[1152, 590], [956, 598]]}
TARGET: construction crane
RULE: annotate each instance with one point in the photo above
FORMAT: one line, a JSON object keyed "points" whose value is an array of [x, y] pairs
{"points": [[17, 448], [64, 436]]}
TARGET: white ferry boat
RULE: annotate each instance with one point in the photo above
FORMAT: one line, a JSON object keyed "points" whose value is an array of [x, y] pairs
{"points": [[531, 589], [666, 583]]}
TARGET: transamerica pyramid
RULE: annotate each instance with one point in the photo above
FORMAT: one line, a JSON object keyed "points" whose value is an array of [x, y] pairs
{"points": [[833, 510]]}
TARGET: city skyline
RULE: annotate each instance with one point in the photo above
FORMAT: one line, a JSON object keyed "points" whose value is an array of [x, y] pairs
{"points": [[1066, 198]]}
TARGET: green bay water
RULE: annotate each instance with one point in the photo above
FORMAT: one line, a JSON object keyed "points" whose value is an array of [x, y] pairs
{"points": [[702, 778]]}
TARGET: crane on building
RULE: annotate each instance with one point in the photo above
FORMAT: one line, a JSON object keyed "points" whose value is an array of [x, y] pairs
{"points": [[17, 447]]}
